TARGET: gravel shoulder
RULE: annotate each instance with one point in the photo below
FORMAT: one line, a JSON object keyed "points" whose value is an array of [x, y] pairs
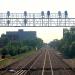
{"points": [[70, 62]]}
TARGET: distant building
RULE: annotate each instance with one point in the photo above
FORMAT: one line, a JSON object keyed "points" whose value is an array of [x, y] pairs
{"points": [[21, 35]]}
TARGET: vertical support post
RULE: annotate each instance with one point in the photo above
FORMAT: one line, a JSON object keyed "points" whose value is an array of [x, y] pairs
{"points": [[48, 21], [42, 14], [59, 17], [8, 14], [25, 20], [48, 14], [65, 21], [57, 22], [8, 22], [66, 15], [42, 21], [33, 20]]}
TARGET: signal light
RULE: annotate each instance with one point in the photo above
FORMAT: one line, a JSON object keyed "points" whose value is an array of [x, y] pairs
{"points": [[8, 13], [42, 13], [25, 13], [59, 14], [48, 13], [66, 14]]}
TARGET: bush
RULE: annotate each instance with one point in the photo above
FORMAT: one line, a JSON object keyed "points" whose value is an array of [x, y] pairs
{"points": [[4, 52]]}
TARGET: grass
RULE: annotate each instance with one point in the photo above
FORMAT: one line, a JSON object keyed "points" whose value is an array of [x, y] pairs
{"points": [[8, 61]]}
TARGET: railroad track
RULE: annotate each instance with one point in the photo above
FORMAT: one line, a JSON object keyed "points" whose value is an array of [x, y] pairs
{"points": [[59, 67], [19, 66], [52, 65], [46, 62], [27, 68]]}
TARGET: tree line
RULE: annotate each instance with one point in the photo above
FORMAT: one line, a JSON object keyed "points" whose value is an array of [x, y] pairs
{"points": [[12, 48], [67, 44]]}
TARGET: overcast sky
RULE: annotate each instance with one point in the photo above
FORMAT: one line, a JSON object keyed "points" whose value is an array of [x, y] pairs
{"points": [[47, 34]]}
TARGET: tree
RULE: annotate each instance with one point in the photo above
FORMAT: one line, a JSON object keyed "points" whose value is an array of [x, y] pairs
{"points": [[72, 50], [67, 44], [4, 52]]}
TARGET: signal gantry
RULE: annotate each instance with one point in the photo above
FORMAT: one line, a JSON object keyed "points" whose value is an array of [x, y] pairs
{"points": [[36, 19]]}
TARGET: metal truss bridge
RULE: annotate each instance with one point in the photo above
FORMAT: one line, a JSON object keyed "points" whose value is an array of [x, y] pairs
{"points": [[36, 19]]}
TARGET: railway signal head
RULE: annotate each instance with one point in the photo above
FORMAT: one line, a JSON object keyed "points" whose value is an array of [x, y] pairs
{"points": [[42, 13], [59, 14], [25, 13], [48, 13], [8, 22], [8, 13], [66, 14]]}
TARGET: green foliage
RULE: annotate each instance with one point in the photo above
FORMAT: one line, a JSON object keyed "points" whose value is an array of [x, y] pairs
{"points": [[67, 44], [55, 43], [4, 52], [72, 50], [13, 48]]}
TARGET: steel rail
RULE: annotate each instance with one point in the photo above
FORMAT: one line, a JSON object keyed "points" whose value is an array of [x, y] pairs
{"points": [[19, 71], [26, 71], [44, 63], [52, 73], [32, 65]]}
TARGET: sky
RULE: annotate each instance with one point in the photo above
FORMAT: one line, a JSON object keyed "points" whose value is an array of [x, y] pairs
{"points": [[36, 6]]}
